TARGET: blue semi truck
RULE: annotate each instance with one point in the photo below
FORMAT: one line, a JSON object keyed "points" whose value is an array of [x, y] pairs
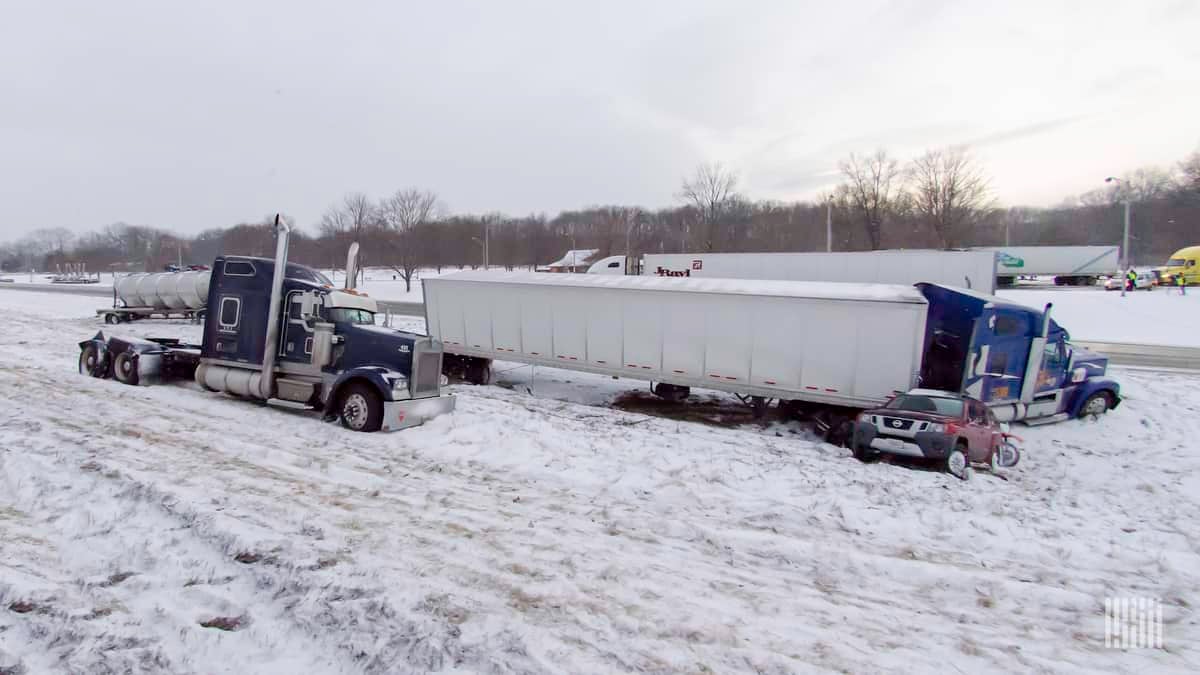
{"points": [[281, 333]]}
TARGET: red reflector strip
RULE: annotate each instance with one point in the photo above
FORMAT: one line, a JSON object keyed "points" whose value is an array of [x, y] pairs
{"points": [[631, 365], [730, 378], [574, 359], [812, 388], [828, 389], [769, 382], [535, 353], [599, 361], [646, 367], [679, 371], [477, 347], [714, 376]]}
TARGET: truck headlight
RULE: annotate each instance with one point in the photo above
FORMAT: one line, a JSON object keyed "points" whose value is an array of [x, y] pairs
{"points": [[400, 387], [937, 428]]}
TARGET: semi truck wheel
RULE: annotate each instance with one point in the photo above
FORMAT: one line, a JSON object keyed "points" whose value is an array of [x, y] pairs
{"points": [[112, 319], [1096, 404], [89, 361], [360, 408], [125, 368]]}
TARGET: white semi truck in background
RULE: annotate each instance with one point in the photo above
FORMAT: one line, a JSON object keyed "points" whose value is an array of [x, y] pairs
{"points": [[1069, 265], [963, 269]]}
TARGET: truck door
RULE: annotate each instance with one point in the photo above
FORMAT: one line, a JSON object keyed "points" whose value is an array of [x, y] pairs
{"points": [[297, 341], [1048, 391], [997, 358]]}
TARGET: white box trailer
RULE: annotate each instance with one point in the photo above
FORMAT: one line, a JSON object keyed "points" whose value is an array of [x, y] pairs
{"points": [[840, 344], [963, 269], [1069, 265]]}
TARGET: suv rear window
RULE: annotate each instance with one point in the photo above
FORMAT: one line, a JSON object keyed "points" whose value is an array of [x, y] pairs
{"points": [[950, 407]]}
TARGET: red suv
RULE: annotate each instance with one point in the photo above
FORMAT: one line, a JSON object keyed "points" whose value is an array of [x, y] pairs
{"points": [[952, 429]]}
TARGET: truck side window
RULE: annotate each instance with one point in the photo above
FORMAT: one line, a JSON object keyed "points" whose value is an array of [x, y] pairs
{"points": [[231, 311], [997, 362], [1008, 325], [1052, 355], [614, 264]]}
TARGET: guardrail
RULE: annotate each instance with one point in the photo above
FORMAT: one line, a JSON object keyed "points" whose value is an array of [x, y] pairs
{"points": [[1145, 356]]}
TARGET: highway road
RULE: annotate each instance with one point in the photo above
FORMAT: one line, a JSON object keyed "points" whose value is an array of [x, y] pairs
{"points": [[1119, 353]]}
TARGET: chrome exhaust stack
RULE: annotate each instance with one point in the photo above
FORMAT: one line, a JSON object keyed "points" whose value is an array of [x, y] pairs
{"points": [[352, 266], [267, 382]]}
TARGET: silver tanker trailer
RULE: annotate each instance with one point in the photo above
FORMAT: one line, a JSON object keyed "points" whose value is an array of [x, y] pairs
{"points": [[161, 294]]}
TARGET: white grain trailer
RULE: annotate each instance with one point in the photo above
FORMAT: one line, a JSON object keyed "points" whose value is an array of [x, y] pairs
{"points": [[839, 344], [963, 269]]}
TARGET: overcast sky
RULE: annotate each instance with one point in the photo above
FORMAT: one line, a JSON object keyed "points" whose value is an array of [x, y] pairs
{"points": [[195, 115]]}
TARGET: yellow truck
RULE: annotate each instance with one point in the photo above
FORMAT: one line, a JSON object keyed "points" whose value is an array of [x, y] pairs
{"points": [[1186, 262]]}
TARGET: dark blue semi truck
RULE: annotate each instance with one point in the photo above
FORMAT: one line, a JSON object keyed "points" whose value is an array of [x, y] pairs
{"points": [[281, 333]]}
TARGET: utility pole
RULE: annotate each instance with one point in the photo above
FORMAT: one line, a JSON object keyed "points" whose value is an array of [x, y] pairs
{"points": [[487, 228], [1125, 240], [1125, 258], [829, 227]]}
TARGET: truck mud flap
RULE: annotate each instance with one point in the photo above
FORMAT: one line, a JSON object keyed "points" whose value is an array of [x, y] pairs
{"points": [[399, 415]]}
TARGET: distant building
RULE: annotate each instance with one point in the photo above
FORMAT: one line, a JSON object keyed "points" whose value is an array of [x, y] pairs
{"points": [[576, 261]]}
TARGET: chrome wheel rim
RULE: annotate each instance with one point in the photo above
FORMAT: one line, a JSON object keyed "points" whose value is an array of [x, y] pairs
{"points": [[354, 411], [1096, 406], [89, 363]]}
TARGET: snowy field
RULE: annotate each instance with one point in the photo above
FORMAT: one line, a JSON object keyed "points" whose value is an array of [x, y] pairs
{"points": [[165, 529], [1160, 316]]}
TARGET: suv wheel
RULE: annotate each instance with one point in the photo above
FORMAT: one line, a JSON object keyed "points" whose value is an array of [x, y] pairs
{"points": [[957, 464]]}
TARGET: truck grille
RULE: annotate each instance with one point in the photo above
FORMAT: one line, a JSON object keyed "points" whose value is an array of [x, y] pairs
{"points": [[891, 423], [427, 374]]}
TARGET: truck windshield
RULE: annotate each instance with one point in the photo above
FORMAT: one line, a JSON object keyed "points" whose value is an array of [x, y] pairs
{"points": [[951, 407], [347, 315], [1176, 262]]}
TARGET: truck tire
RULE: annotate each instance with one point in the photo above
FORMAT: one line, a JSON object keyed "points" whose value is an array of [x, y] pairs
{"points": [[671, 392], [90, 362], [1097, 404], [112, 318], [125, 368], [360, 407], [956, 462]]}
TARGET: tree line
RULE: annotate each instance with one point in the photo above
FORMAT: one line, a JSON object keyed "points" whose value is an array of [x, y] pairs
{"points": [[940, 199]]}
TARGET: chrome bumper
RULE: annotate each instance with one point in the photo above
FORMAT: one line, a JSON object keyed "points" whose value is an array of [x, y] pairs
{"points": [[399, 415]]}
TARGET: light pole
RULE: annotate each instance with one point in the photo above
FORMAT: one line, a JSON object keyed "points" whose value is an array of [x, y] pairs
{"points": [[829, 227], [1125, 239]]}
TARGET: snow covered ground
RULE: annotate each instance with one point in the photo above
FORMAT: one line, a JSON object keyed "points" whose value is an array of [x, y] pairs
{"points": [[1160, 316], [165, 529]]}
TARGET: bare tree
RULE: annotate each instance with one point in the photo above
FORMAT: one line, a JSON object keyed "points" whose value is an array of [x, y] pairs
{"points": [[872, 191], [950, 193], [406, 215], [1189, 175], [710, 191]]}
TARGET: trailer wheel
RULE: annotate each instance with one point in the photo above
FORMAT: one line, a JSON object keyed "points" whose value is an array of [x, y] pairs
{"points": [[479, 371], [1097, 404], [112, 318], [360, 408], [671, 392], [125, 368], [90, 362]]}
